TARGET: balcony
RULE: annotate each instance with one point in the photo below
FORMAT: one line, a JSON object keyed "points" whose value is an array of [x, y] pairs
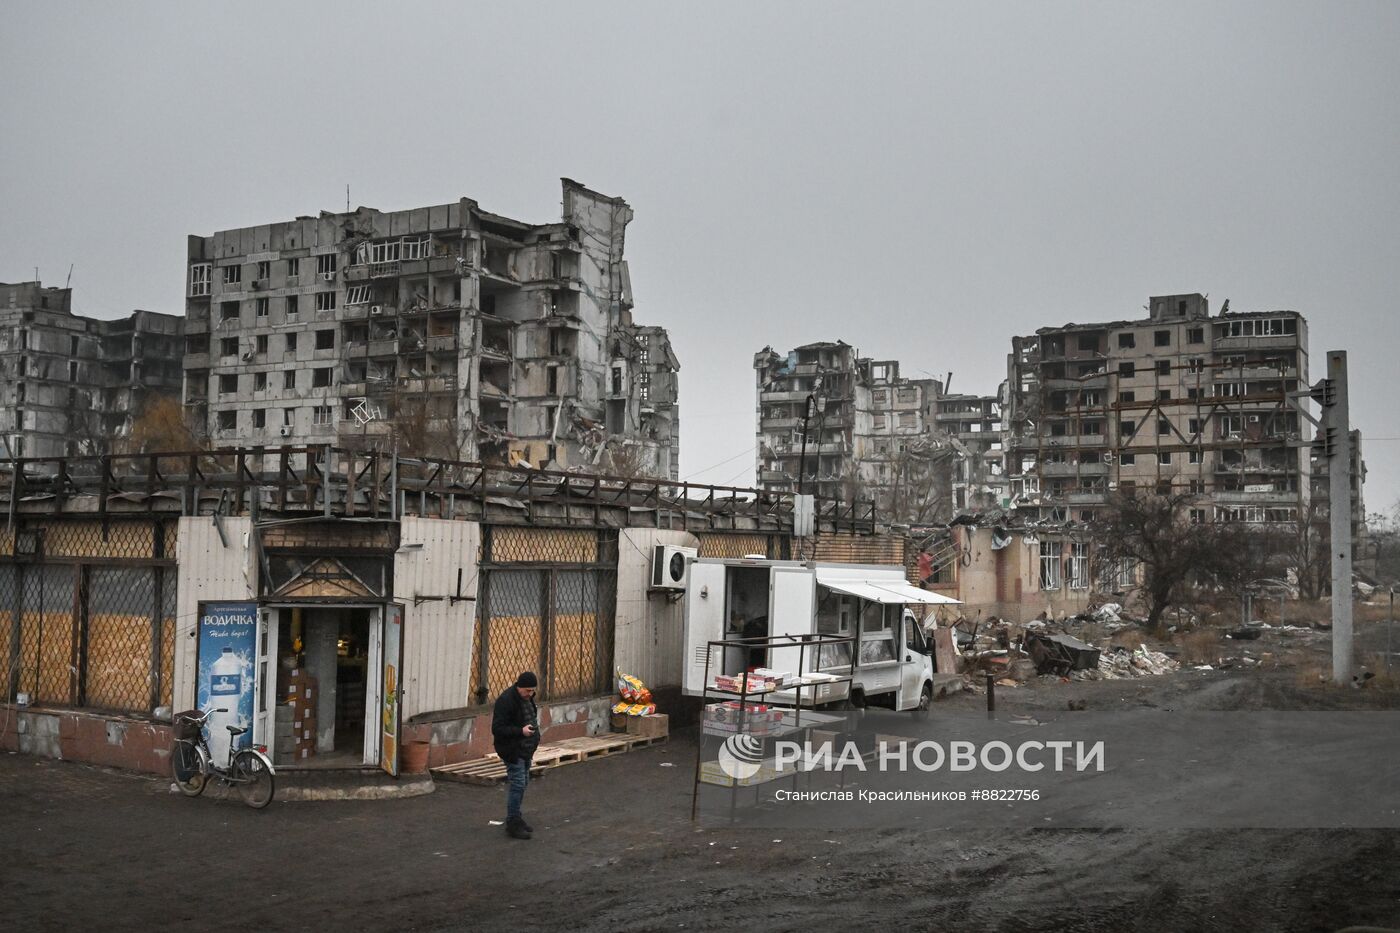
{"points": [[780, 424], [354, 312], [1254, 373], [1279, 342], [1072, 469], [1075, 440], [1241, 497], [783, 396], [388, 346], [1086, 498], [196, 361], [197, 324], [444, 343], [1096, 381]]}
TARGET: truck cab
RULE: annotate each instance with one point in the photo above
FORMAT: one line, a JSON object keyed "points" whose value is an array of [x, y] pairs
{"points": [[754, 598]]}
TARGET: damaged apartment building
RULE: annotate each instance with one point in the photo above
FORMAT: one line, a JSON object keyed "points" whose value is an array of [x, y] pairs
{"points": [[75, 385], [974, 427], [1178, 402], [445, 331], [870, 434]]}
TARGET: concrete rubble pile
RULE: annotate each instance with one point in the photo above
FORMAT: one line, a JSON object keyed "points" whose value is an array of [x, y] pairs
{"points": [[1120, 663]]}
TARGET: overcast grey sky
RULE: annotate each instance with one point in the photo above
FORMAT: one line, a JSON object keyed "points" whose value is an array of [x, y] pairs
{"points": [[920, 180]]}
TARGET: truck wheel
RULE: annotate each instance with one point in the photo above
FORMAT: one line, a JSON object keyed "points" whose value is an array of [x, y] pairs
{"points": [[926, 697]]}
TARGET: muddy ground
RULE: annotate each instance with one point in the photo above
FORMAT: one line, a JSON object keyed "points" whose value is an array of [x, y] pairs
{"points": [[89, 848]]}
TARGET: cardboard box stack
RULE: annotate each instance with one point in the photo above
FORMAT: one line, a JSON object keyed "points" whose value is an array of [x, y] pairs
{"points": [[296, 717]]}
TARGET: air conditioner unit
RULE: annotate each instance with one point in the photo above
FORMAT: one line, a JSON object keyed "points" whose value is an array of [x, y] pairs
{"points": [[328, 276], [376, 309], [1253, 419], [285, 430], [670, 566]]}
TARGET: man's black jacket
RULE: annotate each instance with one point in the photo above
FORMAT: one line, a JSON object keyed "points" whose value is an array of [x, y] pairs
{"points": [[508, 720]]}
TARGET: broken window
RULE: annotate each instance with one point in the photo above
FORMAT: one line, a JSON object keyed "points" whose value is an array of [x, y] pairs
{"points": [[228, 346], [880, 398], [1126, 370], [1193, 426], [1193, 456], [552, 381], [291, 343], [322, 414], [293, 268], [1126, 341], [1079, 565], [262, 306], [259, 382], [413, 248], [1164, 367], [1162, 338], [1089, 342], [228, 383], [199, 279], [1195, 365], [320, 377], [325, 266], [325, 301], [906, 419], [1126, 397], [289, 379], [1128, 459], [233, 275], [1198, 516], [292, 306], [1126, 426], [1163, 427], [1164, 458], [259, 418], [72, 371], [261, 343], [1050, 565], [264, 270], [906, 396], [1093, 427], [228, 420], [1164, 395], [359, 295], [1196, 335], [325, 339], [228, 311]]}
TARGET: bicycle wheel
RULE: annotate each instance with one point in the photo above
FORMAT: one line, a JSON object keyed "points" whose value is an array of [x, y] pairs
{"points": [[253, 778], [190, 767]]}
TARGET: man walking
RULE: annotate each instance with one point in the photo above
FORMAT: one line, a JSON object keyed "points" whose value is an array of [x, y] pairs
{"points": [[515, 728]]}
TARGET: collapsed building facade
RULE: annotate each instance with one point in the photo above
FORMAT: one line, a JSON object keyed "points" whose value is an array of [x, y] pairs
{"points": [[869, 433], [446, 331], [974, 427], [1179, 402], [75, 385]]}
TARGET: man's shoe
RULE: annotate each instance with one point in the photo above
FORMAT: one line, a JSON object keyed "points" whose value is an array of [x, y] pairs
{"points": [[528, 828], [516, 829]]}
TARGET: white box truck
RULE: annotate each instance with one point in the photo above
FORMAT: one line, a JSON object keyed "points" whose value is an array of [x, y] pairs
{"points": [[754, 598]]}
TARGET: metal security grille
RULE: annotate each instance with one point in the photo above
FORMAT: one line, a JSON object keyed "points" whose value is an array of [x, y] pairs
{"points": [[546, 603], [87, 615]]}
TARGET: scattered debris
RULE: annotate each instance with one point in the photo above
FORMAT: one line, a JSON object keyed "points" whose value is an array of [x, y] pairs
{"points": [[1061, 654], [1118, 664]]}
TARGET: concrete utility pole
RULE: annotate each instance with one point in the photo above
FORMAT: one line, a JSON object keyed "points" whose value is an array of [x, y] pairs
{"points": [[1336, 445], [1333, 445]]}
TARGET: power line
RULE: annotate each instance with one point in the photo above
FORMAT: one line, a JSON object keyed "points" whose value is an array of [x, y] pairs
{"points": [[722, 462]]}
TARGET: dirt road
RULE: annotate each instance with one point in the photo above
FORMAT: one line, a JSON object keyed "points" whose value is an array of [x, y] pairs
{"points": [[615, 850]]}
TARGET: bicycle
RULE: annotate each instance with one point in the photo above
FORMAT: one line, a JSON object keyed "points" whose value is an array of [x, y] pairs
{"points": [[248, 769]]}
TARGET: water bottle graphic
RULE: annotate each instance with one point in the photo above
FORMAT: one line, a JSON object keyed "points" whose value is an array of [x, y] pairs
{"points": [[225, 691]]}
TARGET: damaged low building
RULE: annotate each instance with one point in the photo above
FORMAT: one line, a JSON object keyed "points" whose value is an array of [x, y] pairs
{"points": [[446, 331], [75, 385]]}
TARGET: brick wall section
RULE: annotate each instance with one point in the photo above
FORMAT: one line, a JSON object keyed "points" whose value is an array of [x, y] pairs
{"points": [[131, 744], [338, 536]]}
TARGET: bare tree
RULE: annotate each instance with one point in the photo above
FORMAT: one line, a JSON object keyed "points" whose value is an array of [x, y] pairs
{"points": [[1155, 532], [922, 489]]}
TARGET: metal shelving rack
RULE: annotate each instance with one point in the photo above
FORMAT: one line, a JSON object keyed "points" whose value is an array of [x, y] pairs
{"points": [[745, 695]]}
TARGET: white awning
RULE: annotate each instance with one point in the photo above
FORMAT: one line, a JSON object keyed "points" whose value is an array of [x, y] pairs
{"points": [[886, 591]]}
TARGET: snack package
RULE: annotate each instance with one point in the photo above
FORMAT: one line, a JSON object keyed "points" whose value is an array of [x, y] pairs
{"points": [[632, 689]]}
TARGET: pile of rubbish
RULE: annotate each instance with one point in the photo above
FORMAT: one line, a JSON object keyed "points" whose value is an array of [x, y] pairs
{"points": [[1120, 663], [1014, 653]]}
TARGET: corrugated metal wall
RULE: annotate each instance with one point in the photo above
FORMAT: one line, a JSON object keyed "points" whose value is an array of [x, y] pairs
{"points": [[207, 571], [649, 641], [437, 632]]}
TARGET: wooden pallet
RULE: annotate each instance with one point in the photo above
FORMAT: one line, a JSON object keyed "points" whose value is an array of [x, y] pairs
{"points": [[490, 770]]}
